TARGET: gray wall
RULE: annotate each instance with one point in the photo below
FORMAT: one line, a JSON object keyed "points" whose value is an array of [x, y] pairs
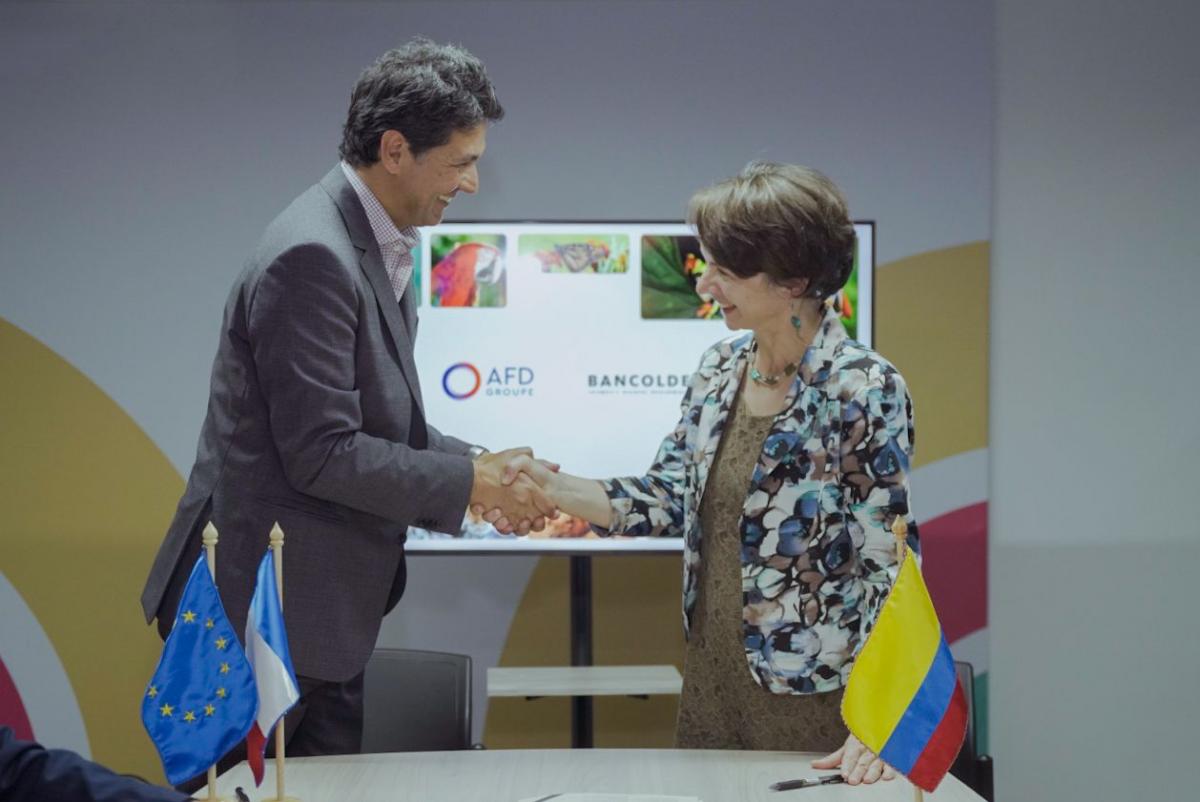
{"points": [[1095, 535], [147, 144], [161, 137]]}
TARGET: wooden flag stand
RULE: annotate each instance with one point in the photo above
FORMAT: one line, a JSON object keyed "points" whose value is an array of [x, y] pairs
{"points": [[209, 539], [210, 551], [277, 548], [900, 532]]}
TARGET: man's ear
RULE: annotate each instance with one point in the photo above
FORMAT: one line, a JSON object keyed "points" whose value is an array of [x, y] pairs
{"points": [[394, 150]]}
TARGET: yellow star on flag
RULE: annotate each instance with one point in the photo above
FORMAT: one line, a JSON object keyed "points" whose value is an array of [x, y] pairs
{"points": [[189, 616], [224, 668], [189, 717], [221, 644], [209, 710], [208, 623], [222, 693], [152, 692], [166, 710]]}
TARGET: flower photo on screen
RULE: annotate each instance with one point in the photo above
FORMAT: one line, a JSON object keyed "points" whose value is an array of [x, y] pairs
{"points": [[845, 301], [468, 270], [671, 266]]}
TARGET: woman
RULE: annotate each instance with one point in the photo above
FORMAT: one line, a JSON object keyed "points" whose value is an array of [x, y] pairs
{"points": [[784, 475]]}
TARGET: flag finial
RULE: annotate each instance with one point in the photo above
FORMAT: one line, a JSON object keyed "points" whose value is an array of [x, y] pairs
{"points": [[900, 532], [209, 538]]}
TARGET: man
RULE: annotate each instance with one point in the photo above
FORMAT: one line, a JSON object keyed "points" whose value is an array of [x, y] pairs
{"points": [[315, 417], [31, 773]]}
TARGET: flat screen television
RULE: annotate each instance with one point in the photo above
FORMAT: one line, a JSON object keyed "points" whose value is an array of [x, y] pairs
{"points": [[576, 339]]}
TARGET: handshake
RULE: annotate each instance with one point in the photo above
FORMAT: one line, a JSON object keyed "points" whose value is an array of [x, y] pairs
{"points": [[513, 491]]}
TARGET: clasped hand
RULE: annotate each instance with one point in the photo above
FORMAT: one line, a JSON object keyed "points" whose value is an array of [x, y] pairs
{"points": [[508, 491]]}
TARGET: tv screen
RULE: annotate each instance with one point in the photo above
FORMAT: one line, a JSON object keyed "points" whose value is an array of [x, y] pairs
{"points": [[575, 339]]}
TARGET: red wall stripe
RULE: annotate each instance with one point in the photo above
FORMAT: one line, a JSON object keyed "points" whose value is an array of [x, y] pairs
{"points": [[12, 711]]}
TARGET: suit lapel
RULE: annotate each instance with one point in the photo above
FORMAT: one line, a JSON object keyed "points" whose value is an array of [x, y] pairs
{"points": [[400, 330], [789, 434], [371, 263], [715, 409], [805, 400], [408, 309]]}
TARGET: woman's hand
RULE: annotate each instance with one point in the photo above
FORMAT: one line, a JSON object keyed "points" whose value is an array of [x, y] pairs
{"points": [[541, 472], [573, 495], [856, 763]]}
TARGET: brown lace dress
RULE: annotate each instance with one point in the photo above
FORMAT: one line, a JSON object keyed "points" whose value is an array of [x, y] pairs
{"points": [[722, 705]]}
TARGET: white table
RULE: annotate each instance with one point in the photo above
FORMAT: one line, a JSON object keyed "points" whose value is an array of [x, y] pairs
{"points": [[584, 681], [581, 683], [508, 775]]}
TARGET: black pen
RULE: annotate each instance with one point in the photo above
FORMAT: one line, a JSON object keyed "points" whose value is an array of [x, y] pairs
{"points": [[791, 785]]}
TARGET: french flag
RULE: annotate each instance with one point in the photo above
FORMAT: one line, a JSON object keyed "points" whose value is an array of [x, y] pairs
{"points": [[267, 650]]}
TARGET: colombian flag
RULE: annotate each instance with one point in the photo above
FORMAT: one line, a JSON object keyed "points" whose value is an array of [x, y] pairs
{"points": [[903, 700]]}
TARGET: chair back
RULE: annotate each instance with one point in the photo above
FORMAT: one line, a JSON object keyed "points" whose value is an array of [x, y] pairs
{"points": [[974, 769], [964, 765], [415, 701]]}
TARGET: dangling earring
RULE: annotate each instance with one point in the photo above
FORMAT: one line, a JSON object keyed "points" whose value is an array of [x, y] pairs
{"points": [[797, 323]]}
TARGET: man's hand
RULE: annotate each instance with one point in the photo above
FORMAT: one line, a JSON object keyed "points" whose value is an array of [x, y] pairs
{"points": [[856, 763], [522, 466], [522, 504]]}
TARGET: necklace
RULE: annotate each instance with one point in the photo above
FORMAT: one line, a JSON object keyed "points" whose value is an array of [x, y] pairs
{"points": [[770, 380]]}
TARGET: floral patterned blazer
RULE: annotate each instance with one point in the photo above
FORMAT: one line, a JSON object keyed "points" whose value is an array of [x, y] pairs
{"points": [[818, 556]]}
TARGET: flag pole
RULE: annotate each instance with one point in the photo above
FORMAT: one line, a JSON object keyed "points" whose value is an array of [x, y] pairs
{"points": [[277, 553], [209, 539], [900, 532]]}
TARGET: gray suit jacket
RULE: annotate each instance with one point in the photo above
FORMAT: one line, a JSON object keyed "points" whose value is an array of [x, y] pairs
{"points": [[29, 772], [315, 420]]}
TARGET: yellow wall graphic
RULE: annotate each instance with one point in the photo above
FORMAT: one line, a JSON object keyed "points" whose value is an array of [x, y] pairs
{"points": [[931, 321], [86, 497]]}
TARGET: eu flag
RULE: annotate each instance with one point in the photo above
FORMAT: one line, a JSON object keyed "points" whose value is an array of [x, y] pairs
{"points": [[202, 698]]}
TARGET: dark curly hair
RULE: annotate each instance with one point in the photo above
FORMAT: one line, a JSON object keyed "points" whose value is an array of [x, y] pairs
{"points": [[424, 90], [785, 220]]}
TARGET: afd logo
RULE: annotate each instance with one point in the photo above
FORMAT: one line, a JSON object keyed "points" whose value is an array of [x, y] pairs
{"points": [[463, 380]]}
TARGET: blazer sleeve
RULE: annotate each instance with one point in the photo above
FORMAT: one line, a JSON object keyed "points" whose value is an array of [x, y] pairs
{"points": [[31, 773], [302, 323], [446, 444], [877, 449], [653, 504]]}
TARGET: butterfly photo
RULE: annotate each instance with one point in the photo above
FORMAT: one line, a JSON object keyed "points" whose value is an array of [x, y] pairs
{"points": [[575, 253]]}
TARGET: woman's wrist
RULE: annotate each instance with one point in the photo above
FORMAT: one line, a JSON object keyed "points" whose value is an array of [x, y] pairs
{"points": [[583, 498]]}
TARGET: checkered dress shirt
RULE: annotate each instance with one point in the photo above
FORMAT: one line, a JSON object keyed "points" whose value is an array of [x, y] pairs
{"points": [[395, 244]]}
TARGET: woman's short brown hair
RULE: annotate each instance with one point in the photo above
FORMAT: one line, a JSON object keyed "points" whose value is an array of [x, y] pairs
{"points": [[785, 220]]}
